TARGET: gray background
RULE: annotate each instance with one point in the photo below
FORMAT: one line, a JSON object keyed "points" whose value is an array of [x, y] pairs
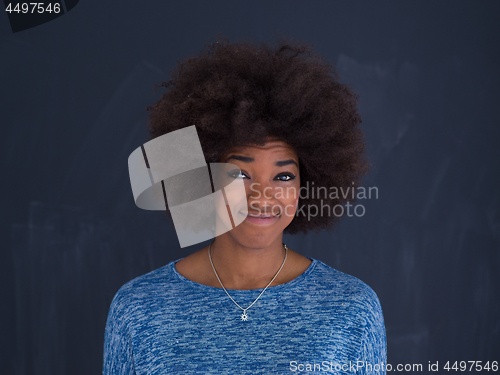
{"points": [[73, 98]]}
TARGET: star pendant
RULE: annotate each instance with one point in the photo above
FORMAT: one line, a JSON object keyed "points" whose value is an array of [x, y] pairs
{"points": [[244, 316]]}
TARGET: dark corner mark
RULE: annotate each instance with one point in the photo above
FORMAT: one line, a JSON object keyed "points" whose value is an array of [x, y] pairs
{"points": [[26, 14]]}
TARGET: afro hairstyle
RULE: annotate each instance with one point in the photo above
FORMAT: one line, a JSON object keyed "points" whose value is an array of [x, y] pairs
{"points": [[245, 93]]}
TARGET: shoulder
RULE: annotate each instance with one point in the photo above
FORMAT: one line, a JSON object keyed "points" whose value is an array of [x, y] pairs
{"points": [[140, 291], [351, 291], [360, 305], [326, 276]]}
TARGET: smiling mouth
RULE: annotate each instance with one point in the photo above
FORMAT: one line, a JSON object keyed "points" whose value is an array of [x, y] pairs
{"points": [[262, 219], [263, 216]]}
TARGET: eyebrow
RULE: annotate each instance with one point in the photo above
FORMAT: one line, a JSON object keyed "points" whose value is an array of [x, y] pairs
{"points": [[285, 162], [247, 159]]}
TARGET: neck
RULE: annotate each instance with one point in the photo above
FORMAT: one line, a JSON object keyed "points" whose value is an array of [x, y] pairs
{"points": [[243, 267]]}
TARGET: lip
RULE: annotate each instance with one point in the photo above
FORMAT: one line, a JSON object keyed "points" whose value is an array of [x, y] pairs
{"points": [[263, 219]]}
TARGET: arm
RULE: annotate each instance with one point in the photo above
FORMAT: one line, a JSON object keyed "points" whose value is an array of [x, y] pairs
{"points": [[373, 351], [118, 354]]}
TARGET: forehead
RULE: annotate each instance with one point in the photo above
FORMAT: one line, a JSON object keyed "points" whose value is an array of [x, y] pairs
{"points": [[270, 148]]}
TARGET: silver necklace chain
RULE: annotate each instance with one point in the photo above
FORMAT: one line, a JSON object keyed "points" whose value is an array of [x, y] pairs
{"points": [[244, 316]]}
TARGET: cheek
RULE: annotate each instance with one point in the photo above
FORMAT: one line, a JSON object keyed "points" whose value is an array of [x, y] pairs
{"points": [[296, 193], [293, 200], [290, 202]]}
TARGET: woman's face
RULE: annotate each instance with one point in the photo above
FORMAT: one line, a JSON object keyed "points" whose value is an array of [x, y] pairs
{"points": [[271, 177]]}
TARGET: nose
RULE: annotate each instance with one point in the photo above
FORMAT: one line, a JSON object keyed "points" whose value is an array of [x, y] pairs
{"points": [[260, 197]]}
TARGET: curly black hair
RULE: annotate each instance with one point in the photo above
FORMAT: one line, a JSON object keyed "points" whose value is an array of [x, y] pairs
{"points": [[244, 93]]}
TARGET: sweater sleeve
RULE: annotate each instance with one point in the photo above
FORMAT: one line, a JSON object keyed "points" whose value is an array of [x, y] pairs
{"points": [[372, 358], [118, 354]]}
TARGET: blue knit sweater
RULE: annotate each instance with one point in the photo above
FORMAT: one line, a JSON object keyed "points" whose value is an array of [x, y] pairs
{"points": [[323, 321]]}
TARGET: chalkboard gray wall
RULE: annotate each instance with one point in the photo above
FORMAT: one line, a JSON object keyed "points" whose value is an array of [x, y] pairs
{"points": [[72, 109]]}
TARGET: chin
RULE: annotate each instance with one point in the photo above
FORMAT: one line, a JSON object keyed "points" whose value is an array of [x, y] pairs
{"points": [[254, 237]]}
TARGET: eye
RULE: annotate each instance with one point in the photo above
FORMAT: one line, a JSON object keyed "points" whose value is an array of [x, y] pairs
{"points": [[285, 177], [237, 174]]}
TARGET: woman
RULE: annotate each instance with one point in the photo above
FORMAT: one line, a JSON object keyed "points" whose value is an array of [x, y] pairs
{"points": [[247, 303]]}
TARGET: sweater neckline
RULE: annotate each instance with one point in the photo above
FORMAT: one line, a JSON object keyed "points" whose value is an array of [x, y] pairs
{"points": [[298, 279]]}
